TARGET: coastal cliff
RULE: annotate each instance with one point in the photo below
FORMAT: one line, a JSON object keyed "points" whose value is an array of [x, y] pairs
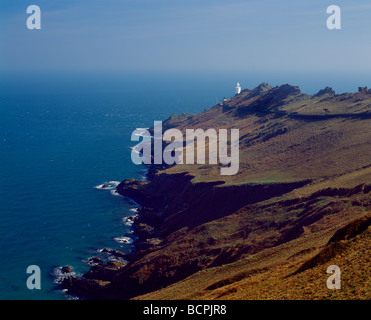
{"points": [[298, 184]]}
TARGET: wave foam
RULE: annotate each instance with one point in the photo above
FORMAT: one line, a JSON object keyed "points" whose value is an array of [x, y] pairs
{"points": [[59, 275], [110, 185], [125, 240], [128, 221], [144, 133], [115, 193]]}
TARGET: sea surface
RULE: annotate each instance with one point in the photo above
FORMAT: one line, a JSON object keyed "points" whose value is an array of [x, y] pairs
{"points": [[61, 137]]}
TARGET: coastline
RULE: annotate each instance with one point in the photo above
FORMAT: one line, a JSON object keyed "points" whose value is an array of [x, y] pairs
{"points": [[108, 260], [106, 256], [191, 220], [152, 228]]}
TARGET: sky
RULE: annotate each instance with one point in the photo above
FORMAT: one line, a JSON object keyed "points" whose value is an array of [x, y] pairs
{"points": [[186, 35]]}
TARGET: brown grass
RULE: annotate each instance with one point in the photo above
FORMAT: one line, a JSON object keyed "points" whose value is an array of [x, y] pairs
{"points": [[248, 279]]}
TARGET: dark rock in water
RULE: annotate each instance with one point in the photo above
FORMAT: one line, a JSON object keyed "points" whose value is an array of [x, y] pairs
{"points": [[66, 269], [104, 186], [95, 260], [115, 253], [88, 288], [94, 282]]}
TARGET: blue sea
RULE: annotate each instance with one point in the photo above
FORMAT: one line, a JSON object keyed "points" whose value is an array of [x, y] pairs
{"points": [[61, 138], [62, 135]]}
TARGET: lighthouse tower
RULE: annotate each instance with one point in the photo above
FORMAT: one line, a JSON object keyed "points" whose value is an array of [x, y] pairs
{"points": [[238, 88]]}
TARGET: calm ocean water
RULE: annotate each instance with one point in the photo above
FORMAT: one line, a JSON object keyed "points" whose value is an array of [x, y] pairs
{"points": [[61, 136]]}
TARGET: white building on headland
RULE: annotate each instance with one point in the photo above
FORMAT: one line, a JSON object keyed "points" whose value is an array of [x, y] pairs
{"points": [[238, 88]]}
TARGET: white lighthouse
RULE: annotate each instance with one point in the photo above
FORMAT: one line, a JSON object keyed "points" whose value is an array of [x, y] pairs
{"points": [[238, 88]]}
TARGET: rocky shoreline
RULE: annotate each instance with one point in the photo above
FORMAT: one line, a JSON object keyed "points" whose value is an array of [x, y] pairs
{"points": [[92, 283], [159, 198]]}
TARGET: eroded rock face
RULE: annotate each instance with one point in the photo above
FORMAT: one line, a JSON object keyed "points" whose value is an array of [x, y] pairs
{"points": [[86, 288], [95, 261], [363, 89], [133, 189], [326, 91], [104, 272], [93, 284], [66, 269]]}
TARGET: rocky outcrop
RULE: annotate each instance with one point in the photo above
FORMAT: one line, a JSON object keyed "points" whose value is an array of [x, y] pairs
{"points": [[328, 91], [133, 189], [363, 89], [66, 269], [259, 90], [266, 98], [93, 284]]}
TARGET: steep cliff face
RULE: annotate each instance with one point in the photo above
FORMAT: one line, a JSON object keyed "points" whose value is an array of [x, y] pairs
{"points": [[299, 182], [179, 203], [180, 221], [246, 232]]}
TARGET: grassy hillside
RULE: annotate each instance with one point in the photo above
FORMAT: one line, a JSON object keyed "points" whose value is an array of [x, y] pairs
{"points": [[273, 273], [288, 136]]}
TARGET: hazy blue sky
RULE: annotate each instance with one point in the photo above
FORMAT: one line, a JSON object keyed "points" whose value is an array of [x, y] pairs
{"points": [[192, 35]]}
